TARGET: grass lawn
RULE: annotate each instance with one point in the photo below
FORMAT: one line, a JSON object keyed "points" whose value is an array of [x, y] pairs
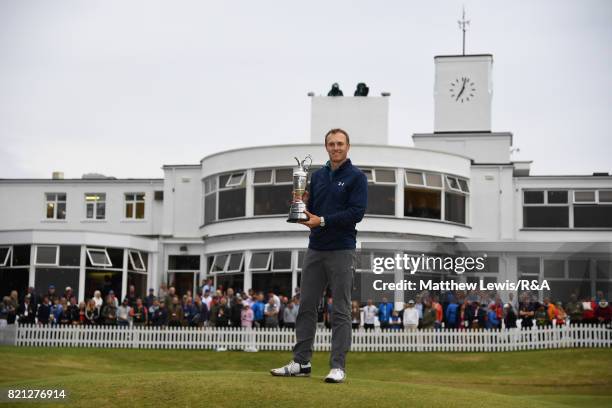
{"points": [[187, 378]]}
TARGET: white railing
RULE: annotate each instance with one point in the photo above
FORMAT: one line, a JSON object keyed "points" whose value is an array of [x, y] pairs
{"points": [[283, 339]]}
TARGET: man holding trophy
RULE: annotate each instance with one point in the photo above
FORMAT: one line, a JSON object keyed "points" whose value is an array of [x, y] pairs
{"points": [[335, 204]]}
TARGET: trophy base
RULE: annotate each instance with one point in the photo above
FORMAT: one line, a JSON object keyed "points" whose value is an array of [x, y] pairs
{"points": [[296, 217]]}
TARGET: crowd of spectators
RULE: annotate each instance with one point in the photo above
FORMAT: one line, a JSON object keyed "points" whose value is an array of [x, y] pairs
{"points": [[218, 307]]}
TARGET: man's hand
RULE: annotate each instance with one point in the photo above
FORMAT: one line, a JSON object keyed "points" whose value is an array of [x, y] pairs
{"points": [[313, 221]]}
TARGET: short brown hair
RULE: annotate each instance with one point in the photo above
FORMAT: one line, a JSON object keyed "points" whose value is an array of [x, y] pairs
{"points": [[338, 130]]}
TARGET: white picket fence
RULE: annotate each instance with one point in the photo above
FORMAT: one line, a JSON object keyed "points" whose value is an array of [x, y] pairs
{"points": [[449, 340]]}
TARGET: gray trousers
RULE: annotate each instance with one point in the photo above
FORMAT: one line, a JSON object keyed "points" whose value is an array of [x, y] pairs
{"points": [[319, 269]]}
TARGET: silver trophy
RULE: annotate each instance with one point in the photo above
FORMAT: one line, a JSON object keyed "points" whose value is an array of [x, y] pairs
{"points": [[300, 179]]}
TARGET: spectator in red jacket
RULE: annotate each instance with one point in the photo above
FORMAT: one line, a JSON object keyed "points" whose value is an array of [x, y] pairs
{"points": [[603, 312], [588, 314]]}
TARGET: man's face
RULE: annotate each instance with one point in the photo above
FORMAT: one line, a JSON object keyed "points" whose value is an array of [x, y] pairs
{"points": [[336, 147]]}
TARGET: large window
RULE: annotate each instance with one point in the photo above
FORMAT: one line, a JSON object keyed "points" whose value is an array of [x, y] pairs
{"points": [[381, 191], [135, 206], [272, 191], [551, 208], [14, 271], [425, 194], [137, 272], [95, 206], [57, 265], [455, 199], [55, 206], [545, 209], [224, 196], [103, 271]]}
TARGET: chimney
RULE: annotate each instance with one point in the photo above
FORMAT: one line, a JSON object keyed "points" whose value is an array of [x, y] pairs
{"points": [[57, 175]]}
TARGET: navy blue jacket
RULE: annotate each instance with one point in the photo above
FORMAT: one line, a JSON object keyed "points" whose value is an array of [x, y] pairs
{"points": [[341, 196]]}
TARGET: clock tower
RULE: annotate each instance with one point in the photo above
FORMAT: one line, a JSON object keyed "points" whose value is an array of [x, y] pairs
{"points": [[463, 93]]}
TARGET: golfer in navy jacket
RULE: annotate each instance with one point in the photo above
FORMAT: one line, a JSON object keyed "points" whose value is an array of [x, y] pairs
{"points": [[335, 204]]}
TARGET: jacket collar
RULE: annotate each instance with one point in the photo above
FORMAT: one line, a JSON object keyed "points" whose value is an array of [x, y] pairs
{"points": [[342, 166]]}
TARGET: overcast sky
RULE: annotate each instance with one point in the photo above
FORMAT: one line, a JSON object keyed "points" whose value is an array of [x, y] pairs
{"points": [[123, 87]]}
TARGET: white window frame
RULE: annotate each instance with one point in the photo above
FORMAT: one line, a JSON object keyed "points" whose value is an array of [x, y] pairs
{"points": [[557, 204], [267, 267], [134, 201], [130, 253], [297, 259], [440, 187], [280, 183], [545, 203], [95, 206], [285, 269], [264, 183], [422, 185], [6, 261], [449, 184], [56, 263], [599, 199], [467, 185], [97, 264], [55, 202], [228, 183], [375, 179], [224, 269], [227, 263]]}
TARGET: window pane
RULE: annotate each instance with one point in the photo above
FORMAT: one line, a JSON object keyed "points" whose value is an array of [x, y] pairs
{"points": [[263, 176], [223, 180], [433, 180], [232, 203], [139, 280], [210, 203], [235, 262], [528, 266], [593, 216], [282, 260], [140, 210], [70, 255], [381, 199], [557, 197], [61, 197], [129, 210], [455, 208], [235, 179], [61, 211], [368, 173], [464, 185], [218, 263], [452, 182], [604, 269], [422, 203], [51, 196], [46, 255], [59, 277], [491, 264], [533, 197], [136, 263], [545, 217], [90, 208], [50, 210], [605, 196], [300, 259], [234, 281], [102, 280], [210, 184], [21, 255], [271, 200], [554, 268], [279, 283], [414, 177], [14, 279], [98, 258], [385, 176], [3, 256], [101, 211], [284, 175], [183, 262], [584, 196], [259, 260], [578, 268], [140, 197]]}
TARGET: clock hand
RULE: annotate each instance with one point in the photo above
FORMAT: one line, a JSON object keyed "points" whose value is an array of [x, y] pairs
{"points": [[462, 89]]}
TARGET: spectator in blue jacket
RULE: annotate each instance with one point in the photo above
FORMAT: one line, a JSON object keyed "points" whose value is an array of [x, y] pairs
{"points": [[258, 311], [452, 315], [385, 309], [492, 319]]}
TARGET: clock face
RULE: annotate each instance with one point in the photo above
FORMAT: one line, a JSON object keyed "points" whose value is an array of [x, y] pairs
{"points": [[462, 89]]}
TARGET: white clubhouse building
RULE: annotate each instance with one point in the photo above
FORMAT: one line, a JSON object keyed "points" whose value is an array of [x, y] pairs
{"points": [[224, 217]]}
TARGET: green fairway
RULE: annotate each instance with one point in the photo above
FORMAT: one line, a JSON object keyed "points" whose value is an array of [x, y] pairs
{"points": [[185, 378]]}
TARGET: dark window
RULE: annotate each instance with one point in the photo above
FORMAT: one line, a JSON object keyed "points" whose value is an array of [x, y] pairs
{"points": [[234, 281], [210, 208], [491, 264], [139, 281], [183, 262], [579, 269], [528, 266], [604, 269], [272, 200], [421, 203], [46, 254], [563, 289], [59, 277], [554, 268], [232, 203], [533, 197], [282, 260], [279, 283], [605, 287], [545, 217], [70, 255], [21, 255], [557, 197], [454, 209], [235, 262], [116, 257], [104, 281], [381, 199], [593, 216], [15, 279], [3, 256]]}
